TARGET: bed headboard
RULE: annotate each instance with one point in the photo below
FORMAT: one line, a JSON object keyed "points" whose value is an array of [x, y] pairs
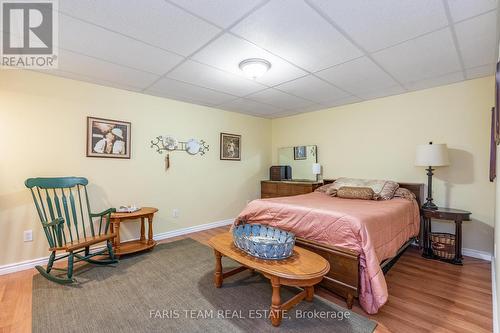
{"points": [[415, 188]]}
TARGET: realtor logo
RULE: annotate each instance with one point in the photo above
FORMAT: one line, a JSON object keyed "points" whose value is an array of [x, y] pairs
{"points": [[29, 34]]}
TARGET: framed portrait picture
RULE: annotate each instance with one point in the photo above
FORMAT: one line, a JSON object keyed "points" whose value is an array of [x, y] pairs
{"points": [[493, 146], [300, 153], [497, 105], [108, 138], [230, 147]]}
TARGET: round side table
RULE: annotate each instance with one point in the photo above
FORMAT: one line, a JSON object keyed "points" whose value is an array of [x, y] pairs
{"points": [[136, 245], [455, 215]]}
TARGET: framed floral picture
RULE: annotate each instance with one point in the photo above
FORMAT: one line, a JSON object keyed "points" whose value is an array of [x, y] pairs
{"points": [[230, 147], [108, 138]]}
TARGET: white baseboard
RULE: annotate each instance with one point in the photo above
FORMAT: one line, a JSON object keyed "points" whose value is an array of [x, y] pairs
{"points": [[494, 295], [477, 254], [28, 264], [189, 230], [23, 265]]}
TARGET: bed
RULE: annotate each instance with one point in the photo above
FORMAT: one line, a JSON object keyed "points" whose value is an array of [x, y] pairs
{"points": [[360, 238]]}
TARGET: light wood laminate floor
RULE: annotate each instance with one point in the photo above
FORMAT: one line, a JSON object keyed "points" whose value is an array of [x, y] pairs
{"points": [[424, 295]]}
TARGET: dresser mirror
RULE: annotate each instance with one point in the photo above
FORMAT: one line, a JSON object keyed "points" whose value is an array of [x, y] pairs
{"points": [[301, 160]]}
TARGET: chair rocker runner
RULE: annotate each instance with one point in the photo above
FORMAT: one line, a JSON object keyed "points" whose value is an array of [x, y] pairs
{"points": [[61, 203]]}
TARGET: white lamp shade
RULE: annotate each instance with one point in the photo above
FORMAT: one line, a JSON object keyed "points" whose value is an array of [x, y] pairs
{"points": [[432, 155], [316, 168]]}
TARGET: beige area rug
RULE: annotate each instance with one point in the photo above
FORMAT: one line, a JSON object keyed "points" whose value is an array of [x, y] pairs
{"points": [[171, 289]]}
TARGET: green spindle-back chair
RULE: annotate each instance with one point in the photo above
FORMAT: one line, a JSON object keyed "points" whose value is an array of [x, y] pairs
{"points": [[64, 210]]}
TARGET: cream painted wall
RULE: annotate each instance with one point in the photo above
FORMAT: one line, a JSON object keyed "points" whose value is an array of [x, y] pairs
{"points": [[42, 133], [377, 139]]}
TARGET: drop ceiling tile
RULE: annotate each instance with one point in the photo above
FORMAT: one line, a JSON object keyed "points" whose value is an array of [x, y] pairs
{"points": [[480, 71], [435, 81], [251, 107], [212, 78], [104, 44], [358, 75], [425, 57], [280, 99], [228, 51], [221, 12], [157, 22], [294, 31], [382, 23], [463, 9], [312, 88], [187, 92], [382, 92], [101, 70], [477, 40]]}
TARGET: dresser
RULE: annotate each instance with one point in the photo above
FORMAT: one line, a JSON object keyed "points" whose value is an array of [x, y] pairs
{"points": [[272, 189]]}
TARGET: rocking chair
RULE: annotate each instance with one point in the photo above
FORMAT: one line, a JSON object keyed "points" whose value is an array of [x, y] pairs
{"points": [[66, 226]]}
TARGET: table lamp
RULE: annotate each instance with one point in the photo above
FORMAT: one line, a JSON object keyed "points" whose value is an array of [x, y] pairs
{"points": [[316, 169], [431, 155]]}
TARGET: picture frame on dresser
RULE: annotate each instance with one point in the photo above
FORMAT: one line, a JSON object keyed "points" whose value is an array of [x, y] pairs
{"points": [[300, 152]]}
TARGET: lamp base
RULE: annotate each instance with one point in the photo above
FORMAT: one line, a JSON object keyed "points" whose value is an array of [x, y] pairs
{"points": [[430, 205]]}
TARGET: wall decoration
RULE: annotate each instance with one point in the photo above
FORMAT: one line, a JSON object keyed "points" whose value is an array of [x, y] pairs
{"points": [[300, 153], [493, 146], [497, 105], [108, 138], [169, 143], [230, 147]]}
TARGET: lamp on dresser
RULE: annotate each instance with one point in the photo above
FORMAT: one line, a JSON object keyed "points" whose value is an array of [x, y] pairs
{"points": [[431, 155], [316, 170]]}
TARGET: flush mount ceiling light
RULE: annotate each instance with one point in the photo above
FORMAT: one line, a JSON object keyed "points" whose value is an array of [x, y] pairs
{"points": [[254, 67]]}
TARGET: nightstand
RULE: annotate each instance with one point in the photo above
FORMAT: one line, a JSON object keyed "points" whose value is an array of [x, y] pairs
{"points": [[449, 214]]}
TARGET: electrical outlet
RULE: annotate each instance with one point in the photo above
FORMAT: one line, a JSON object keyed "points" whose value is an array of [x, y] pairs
{"points": [[28, 235], [175, 213]]}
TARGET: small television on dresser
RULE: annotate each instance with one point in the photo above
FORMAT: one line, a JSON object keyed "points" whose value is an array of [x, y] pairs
{"points": [[280, 172]]}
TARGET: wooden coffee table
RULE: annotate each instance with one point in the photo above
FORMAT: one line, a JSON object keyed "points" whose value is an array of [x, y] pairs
{"points": [[303, 269]]}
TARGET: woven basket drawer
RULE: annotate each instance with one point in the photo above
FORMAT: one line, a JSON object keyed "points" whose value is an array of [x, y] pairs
{"points": [[443, 245]]}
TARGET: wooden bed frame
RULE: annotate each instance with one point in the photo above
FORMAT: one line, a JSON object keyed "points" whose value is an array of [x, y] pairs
{"points": [[343, 277]]}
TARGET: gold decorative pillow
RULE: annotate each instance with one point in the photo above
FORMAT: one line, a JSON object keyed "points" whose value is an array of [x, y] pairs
{"points": [[404, 193], [332, 191], [323, 188], [384, 189], [351, 192]]}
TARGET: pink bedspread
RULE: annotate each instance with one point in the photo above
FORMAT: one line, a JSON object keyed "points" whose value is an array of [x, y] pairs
{"points": [[375, 229]]}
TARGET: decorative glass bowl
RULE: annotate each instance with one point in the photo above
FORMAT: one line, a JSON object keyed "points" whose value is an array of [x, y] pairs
{"points": [[263, 242]]}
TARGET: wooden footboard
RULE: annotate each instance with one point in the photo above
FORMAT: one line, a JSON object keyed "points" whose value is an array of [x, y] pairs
{"points": [[343, 277]]}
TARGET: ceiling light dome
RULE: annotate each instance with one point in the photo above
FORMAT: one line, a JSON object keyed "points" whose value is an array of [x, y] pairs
{"points": [[254, 67]]}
